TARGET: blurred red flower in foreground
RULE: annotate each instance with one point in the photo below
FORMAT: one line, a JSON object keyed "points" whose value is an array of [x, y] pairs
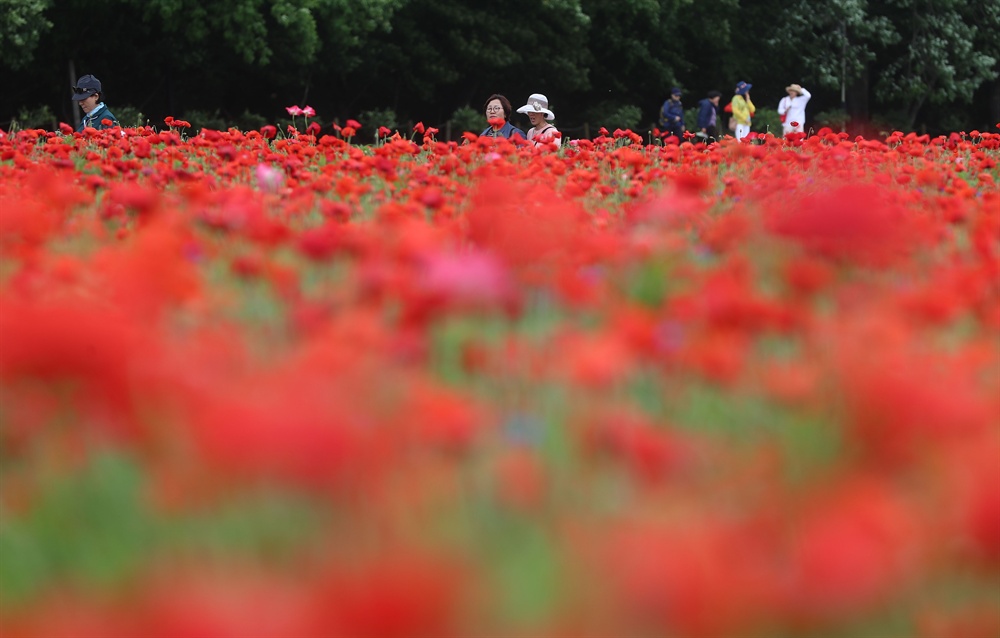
{"points": [[312, 387]]}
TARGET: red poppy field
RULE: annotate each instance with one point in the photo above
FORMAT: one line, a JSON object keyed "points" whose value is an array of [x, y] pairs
{"points": [[302, 387]]}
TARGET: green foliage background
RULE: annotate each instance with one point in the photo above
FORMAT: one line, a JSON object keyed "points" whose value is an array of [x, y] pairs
{"points": [[930, 64]]}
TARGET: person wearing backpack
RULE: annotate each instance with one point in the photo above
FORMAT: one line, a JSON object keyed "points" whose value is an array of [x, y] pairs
{"points": [[708, 116], [672, 114]]}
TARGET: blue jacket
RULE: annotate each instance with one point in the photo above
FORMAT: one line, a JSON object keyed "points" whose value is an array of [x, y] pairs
{"points": [[705, 109], [508, 130], [671, 109], [93, 119]]}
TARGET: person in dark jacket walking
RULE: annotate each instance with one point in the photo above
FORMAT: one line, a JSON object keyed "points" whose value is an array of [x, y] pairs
{"points": [[708, 116], [672, 114], [87, 93]]}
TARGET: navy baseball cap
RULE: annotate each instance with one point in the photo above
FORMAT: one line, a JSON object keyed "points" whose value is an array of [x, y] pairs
{"points": [[675, 91], [85, 87]]}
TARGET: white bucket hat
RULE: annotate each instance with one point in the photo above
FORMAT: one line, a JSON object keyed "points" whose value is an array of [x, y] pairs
{"points": [[537, 103]]}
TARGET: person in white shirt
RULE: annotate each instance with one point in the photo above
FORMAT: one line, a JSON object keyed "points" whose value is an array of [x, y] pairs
{"points": [[792, 108], [541, 132]]}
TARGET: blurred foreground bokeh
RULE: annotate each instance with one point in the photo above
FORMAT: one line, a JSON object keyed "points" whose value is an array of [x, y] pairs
{"points": [[304, 388]]}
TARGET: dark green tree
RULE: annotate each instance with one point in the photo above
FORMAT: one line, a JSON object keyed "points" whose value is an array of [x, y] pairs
{"points": [[635, 53], [440, 55], [947, 50], [22, 25], [920, 52], [701, 46], [832, 42], [423, 59]]}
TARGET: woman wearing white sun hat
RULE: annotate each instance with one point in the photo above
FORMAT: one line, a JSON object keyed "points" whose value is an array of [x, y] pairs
{"points": [[792, 108], [537, 110]]}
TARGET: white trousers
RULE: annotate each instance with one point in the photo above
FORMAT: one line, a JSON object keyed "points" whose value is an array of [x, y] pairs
{"points": [[788, 128], [742, 130]]}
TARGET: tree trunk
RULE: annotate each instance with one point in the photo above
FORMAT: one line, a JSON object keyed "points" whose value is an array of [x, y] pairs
{"points": [[858, 99], [170, 89], [912, 111], [995, 102], [72, 82]]}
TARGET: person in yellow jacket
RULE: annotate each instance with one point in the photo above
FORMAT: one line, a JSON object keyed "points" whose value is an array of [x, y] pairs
{"points": [[743, 109]]}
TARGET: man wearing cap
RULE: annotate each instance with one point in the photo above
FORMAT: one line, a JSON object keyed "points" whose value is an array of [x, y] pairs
{"points": [[672, 114], [792, 109], [87, 93]]}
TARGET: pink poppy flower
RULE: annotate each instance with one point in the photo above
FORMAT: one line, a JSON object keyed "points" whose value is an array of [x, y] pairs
{"points": [[269, 179]]}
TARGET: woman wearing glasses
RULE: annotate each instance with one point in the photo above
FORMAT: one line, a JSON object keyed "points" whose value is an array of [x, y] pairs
{"points": [[498, 115], [87, 93]]}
